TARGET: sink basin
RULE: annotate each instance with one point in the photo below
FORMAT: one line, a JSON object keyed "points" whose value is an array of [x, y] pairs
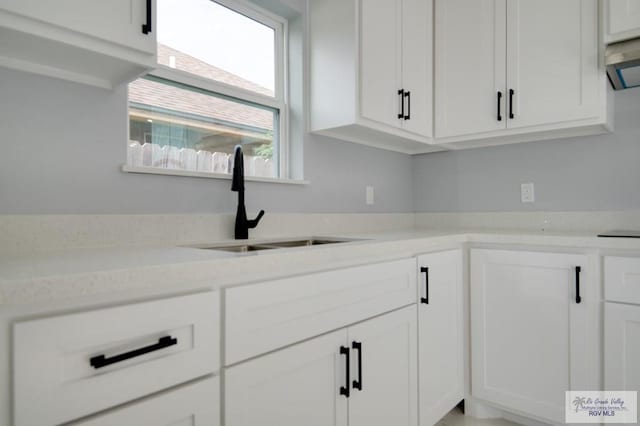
{"points": [[245, 248], [307, 243], [269, 245]]}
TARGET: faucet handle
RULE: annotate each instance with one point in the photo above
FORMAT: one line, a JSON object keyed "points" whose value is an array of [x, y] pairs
{"points": [[253, 223]]}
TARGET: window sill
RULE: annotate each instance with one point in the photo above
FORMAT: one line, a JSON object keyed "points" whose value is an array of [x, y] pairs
{"points": [[186, 173]]}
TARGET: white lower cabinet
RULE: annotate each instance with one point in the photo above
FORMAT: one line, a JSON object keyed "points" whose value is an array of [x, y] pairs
{"points": [[72, 366], [385, 366], [440, 334], [294, 386], [534, 328], [622, 347], [196, 404], [362, 375]]}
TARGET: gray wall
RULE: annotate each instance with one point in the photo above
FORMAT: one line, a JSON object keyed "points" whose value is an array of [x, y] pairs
{"points": [[62, 145], [586, 173]]}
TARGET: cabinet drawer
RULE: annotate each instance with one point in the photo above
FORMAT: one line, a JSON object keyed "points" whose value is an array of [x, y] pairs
{"points": [[147, 347], [197, 404], [266, 316], [622, 279]]}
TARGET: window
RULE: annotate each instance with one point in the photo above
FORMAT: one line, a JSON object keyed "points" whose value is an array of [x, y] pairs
{"points": [[219, 83]]}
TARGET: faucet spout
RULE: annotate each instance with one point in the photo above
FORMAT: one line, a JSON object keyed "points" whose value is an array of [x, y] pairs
{"points": [[242, 223], [253, 223]]}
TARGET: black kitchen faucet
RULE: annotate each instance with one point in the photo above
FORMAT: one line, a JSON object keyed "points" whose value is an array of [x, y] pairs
{"points": [[237, 184]]}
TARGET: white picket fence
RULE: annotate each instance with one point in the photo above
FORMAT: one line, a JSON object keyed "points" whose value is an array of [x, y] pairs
{"points": [[171, 157]]}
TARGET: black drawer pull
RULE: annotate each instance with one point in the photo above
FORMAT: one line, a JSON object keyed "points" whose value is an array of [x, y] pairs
{"points": [[401, 94], [499, 106], [146, 28], [425, 299], [357, 384], [346, 390], [100, 361], [578, 298], [408, 96]]}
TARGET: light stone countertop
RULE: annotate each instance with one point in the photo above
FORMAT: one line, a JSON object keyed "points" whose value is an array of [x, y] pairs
{"points": [[66, 275]]}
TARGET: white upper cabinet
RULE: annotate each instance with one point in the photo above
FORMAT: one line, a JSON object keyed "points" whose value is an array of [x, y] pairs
{"points": [[517, 70], [380, 60], [417, 65], [117, 21], [470, 66], [621, 20], [532, 321], [87, 41], [552, 62], [371, 72]]}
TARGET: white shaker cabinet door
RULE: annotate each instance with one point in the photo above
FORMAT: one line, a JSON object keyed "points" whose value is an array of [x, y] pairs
{"points": [[440, 327], [299, 385], [117, 21], [530, 338], [470, 66], [196, 404], [385, 366], [622, 347], [622, 20], [417, 65], [380, 60], [552, 61]]}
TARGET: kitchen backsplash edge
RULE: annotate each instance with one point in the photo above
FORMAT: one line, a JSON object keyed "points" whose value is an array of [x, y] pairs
{"points": [[42, 233]]}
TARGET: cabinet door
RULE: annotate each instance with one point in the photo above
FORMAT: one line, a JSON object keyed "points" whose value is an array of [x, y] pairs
{"points": [[440, 335], [196, 404], [622, 347], [380, 56], [118, 21], [529, 337], [470, 66], [622, 19], [417, 65], [296, 386], [389, 387], [552, 61]]}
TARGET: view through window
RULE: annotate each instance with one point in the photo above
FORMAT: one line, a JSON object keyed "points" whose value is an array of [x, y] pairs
{"points": [[218, 84]]}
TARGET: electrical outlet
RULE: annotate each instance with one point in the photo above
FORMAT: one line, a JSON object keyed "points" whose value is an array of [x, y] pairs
{"points": [[527, 193], [370, 195]]}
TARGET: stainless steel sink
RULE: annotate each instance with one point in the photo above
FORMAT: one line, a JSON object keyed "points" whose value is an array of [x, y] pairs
{"points": [[270, 245], [307, 243], [245, 248]]}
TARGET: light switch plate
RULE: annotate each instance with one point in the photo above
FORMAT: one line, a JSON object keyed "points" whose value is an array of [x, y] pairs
{"points": [[527, 193], [370, 196]]}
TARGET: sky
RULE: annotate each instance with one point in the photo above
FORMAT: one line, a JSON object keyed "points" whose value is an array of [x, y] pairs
{"points": [[220, 37]]}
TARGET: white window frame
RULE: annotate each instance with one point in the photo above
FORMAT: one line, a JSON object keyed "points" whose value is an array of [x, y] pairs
{"points": [[280, 99]]}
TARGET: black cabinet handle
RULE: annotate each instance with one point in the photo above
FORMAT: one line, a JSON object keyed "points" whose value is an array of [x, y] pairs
{"points": [[100, 361], [146, 28], [578, 298], [357, 384], [346, 390], [425, 299], [401, 94], [408, 96], [511, 93], [499, 106]]}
